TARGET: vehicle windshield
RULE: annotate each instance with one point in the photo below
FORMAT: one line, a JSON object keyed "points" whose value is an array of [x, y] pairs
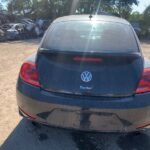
{"points": [[90, 36]]}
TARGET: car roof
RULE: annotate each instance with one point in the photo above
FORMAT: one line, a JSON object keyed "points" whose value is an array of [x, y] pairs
{"points": [[106, 18]]}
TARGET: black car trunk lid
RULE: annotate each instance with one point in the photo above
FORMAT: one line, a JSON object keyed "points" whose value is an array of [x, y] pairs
{"points": [[94, 74]]}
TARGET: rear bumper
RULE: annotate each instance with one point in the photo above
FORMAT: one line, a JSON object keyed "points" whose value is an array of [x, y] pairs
{"points": [[118, 115]]}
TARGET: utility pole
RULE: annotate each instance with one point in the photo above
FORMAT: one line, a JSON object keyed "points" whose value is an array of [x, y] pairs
{"points": [[12, 7], [74, 6]]}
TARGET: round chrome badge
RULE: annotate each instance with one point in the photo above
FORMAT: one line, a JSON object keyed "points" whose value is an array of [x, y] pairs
{"points": [[86, 76]]}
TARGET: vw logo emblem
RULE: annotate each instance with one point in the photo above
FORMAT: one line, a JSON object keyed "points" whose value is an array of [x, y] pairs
{"points": [[86, 76]]}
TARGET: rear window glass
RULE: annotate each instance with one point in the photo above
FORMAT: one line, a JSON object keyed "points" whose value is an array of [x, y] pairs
{"points": [[90, 36]]}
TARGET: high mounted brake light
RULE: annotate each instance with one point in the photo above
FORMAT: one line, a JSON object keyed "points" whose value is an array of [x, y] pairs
{"points": [[92, 59], [28, 73]]}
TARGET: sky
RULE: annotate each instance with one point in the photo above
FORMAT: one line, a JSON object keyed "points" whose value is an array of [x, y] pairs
{"points": [[140, 8], [142, 5]]}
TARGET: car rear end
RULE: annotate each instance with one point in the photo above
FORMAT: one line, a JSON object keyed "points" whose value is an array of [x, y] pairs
{"points": [[87, 75]]}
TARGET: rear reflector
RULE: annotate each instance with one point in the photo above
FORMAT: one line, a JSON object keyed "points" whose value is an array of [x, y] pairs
{"points": [[27, 114], [144, 85], [87, 59], [28, 73], [143, 126]]}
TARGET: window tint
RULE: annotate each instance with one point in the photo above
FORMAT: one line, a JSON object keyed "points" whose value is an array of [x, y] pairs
{"points": [[90, 36]]}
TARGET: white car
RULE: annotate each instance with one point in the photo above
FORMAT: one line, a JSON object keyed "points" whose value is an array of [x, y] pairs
{"points": [[29, 24], [13, 30]]}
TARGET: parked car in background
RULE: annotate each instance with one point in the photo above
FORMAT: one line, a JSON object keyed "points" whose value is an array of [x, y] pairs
{"points": [[43, 24], [149, 30], [88, 74], [2, 35], [5, 27], [137, 28], [13, 30], [24, 29], [29, 24], [34, 28]]}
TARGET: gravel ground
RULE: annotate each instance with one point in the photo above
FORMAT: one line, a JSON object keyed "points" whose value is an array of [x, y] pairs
{"points": [[19, 134]]}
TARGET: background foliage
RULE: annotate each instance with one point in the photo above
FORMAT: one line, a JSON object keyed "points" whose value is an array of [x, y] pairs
{"points": [[51, 9], [56, 8]]}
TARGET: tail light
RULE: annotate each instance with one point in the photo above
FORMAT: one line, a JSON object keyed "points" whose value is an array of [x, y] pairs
{"points": [[143, 126], [87, 59], [33, 117], [144, 85], [28, 73]]}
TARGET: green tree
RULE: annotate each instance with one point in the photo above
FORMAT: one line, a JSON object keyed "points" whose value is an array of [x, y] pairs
{"points": [[56, 8], [17, 6], [121, 7], [39, 8], [136, 16], [147, 16]]}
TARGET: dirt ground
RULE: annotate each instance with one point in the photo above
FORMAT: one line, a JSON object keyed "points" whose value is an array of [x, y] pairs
{"points": [[19, 134]]}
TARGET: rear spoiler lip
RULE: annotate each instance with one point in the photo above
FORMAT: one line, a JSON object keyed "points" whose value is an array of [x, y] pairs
{"points": [[49, 51]]}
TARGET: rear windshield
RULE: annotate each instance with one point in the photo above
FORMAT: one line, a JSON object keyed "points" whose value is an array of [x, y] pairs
{"points": [[90, 36]]}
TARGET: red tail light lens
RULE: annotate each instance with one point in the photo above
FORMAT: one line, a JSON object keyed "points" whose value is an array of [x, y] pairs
{"points": [[87, 59], [144, 85], [28, 73]]}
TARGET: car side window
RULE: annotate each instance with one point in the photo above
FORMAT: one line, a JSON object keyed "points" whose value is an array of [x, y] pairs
{"points": [[17, 27]]}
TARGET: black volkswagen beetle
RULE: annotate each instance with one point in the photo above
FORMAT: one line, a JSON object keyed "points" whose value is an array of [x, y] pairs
{"points": [[88, 74]]}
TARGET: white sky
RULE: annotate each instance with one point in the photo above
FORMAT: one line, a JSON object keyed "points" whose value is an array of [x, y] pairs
{"points": [[142, 5]]}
